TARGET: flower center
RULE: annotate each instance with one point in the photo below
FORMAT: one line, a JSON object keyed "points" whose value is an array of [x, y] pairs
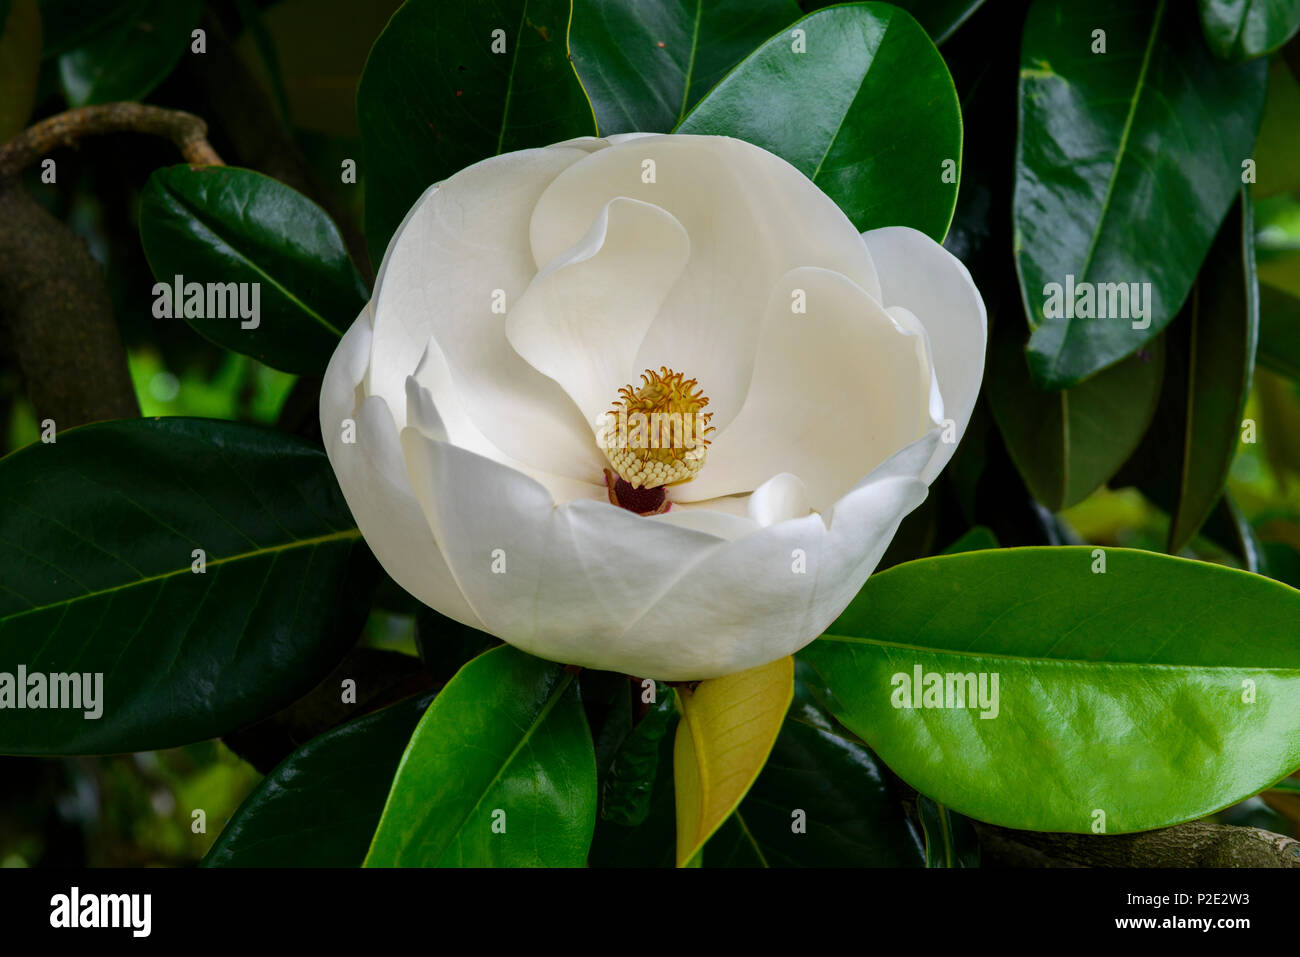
{"points": [[656, 434]]}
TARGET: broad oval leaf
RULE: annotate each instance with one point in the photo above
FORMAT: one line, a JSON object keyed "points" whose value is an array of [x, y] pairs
{"points": [[319, 807], [858, 99], [449, 84], [645, 63], [102, 531], [1238, 30], [727, 730], [1141, 144], [500, 772], [131, 53], [1067, 444], [1107, 691], [274, 279]]}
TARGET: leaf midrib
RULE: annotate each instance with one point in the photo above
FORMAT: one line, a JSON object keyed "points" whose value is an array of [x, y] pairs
{"points": [[854, 640], [348, 534]]}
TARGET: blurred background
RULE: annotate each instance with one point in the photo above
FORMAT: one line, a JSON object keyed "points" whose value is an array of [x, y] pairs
{"points": [[277, 88]]}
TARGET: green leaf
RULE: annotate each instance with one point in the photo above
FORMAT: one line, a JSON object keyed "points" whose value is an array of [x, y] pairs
{"points": [[221, 225], [821, 801], [628, 786], [645, 63], [1239, 30], [435, 97], [950, 839], [839, 113], [728, 728], [319, 807], [100, 530], [131, 54], [1155, 691], [1067, 444], [652, 842], [1141, 144], [68, 24], [976, 539], [1279, 330], [941, 18], [500, 772]]}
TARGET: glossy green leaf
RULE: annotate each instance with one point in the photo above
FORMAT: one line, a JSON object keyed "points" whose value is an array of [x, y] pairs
{"points": [[826, 96], [319, 807], [652, 842], [1134, 694], [645, 63], [940, 18], [221, 225], [821, 801], [131, 54], [1278, 143], [950, 839], [1241, 29], [500, 772], [1067, 444], [449, 84], [100, 531], [1141, 144], [628, 786]]}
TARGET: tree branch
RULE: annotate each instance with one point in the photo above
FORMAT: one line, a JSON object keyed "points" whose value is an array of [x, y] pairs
{"points": [[186, 130]]}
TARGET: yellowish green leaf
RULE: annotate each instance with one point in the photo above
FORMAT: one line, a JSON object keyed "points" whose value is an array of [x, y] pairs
{"points": [[728, 728]]}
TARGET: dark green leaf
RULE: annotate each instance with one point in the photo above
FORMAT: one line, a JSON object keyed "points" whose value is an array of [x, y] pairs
{"points": [[1241, 29], [653, 842], [840, 114], [435, 98], [645, 63], [1067, 444], [1210, 359], [131, 53], [1136, 694], [319, 807], [500, 772], [1141, 144], [978, 538], [950, 839], [99, 532], [821, 801], [941, 18], [220, 225], [628, 787]]}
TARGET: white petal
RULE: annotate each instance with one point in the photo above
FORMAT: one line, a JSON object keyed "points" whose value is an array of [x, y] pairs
{"points": [[835, 391], [373, 478], [779, 498], [750, 216], [562, 583], [584, 315], [769, 594], [465, 242], [919, 274]]}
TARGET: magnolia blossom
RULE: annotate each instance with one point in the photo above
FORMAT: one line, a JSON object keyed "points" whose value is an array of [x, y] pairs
{"points": [[808, 383]]}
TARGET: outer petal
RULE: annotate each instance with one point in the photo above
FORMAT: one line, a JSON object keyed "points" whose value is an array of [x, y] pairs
{"points": [[465, 241], [920, 275], [563, 583], [836, 390], [769, 594], [750, 216], [374, 481]]}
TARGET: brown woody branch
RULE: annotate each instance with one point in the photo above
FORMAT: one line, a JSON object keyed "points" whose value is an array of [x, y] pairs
{"points": [[186, 130]]}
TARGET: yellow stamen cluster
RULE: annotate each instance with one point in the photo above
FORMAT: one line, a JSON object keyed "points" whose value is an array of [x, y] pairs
{"points": [[658, 431]]}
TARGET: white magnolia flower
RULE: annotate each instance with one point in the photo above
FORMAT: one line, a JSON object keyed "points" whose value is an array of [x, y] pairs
{"points": [[531, 294]]}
